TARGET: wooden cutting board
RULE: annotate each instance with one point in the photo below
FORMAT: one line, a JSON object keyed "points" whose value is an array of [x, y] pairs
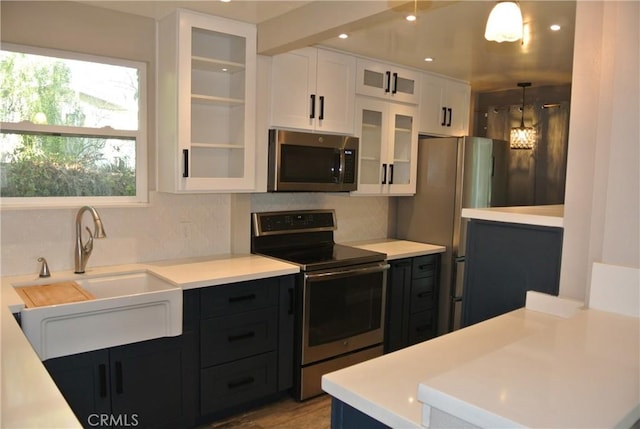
{"points": [[54, 293]]}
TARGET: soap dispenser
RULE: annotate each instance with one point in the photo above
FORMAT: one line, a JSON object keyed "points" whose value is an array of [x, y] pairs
{"points": [[44, 268]]}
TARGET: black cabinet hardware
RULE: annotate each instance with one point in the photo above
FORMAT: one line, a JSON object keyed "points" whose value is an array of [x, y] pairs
{"points": [[384, 174], [388, 86], [395, 83], [321, 116], [248, 297], [241, 382], [245, 336], [313, 106], [185, 162]]}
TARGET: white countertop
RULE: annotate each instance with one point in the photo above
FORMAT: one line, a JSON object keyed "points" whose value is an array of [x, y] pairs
{"points": [[27, 386], [583, 372], [398, 249], [549, 215], [528, 367]]}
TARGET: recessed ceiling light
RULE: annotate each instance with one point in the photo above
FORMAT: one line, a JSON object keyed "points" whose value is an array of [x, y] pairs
{"points": [[225, 1], [555, 27], [343, 36], [429, 59], [410, 18]]}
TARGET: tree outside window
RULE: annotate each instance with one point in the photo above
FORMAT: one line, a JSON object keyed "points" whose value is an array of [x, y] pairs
{"points": [[70, 128]]}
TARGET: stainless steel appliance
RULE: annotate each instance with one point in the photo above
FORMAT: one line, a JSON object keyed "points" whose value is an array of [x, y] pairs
{"points": [[339, 294], [452, 173], [310, 162]]}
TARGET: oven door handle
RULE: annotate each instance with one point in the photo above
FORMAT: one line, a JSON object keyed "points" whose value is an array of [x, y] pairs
{"points": [[348, 272]]}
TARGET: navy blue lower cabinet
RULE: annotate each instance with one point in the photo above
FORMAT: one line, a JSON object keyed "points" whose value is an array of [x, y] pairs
{"points": [[246, 344], [344, 416], [411, 308], [505, 260], [146, 385]]}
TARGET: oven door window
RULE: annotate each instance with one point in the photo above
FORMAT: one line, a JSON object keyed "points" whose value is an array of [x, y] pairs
{"points": [[309, 164], [344, 307]]}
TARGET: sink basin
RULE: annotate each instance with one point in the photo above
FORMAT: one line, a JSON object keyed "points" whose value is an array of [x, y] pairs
{"points": [[128, 307]]}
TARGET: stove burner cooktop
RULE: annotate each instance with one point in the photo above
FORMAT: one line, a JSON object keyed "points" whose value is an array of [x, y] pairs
{"points": [[305, 238]]}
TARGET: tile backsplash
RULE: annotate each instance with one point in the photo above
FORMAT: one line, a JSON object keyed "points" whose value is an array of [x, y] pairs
{"points": [[169, 227]]}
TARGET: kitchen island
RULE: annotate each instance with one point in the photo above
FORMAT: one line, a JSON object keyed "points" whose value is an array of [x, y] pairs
{"points": [[526, 368]]}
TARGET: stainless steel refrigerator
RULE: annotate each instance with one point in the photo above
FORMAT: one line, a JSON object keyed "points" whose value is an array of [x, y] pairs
{"points": [[452, 173]]}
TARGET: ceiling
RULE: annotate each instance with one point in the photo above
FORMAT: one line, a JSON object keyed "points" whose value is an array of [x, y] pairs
{"points": [[451, 32]]}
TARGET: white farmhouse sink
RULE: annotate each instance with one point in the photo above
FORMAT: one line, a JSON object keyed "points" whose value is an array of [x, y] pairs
{"points": [[128, 307]]}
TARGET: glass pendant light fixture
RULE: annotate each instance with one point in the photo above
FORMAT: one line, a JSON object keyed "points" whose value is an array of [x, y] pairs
{"points": [[504, 23], [523, 137]]}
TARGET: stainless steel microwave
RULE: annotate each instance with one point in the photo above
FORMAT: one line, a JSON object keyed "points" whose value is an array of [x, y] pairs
{"points": [[309, 162]]}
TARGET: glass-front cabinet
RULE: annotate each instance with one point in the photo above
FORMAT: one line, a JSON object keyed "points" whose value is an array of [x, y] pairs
{"points": [[206, 104], [388, 147]]}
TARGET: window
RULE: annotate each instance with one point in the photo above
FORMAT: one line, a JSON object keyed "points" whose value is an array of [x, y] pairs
{"points": [[73, 128]]}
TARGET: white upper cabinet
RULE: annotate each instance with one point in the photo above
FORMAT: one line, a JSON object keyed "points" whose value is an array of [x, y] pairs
{"points": [[313, 89], [444, 106], [206, 104], [388, 81], [388, 147]]}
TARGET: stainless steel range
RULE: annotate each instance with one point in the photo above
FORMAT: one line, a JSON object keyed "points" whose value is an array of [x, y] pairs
{"points": [[340, 293]]}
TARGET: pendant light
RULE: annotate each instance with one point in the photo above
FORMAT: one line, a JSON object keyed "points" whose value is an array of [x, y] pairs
{"points": [[523, 137], [504, 23]]}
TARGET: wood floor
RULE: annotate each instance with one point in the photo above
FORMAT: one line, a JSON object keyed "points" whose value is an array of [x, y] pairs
{"points": [[286, 413]]}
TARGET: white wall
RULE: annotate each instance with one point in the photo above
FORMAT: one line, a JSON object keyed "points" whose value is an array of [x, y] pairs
{"points": [[602, 213]]}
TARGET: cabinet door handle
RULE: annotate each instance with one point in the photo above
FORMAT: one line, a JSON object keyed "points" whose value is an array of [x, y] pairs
{"points": [[444, 116], [248, 297], [245, 336], [387, 88], [313, 106], [185, 162], [391, 174], [395, 83], [321, 116], [102, 370], [119, 387], [384, 174], [450, 110], [290, 311], [241, 382]]}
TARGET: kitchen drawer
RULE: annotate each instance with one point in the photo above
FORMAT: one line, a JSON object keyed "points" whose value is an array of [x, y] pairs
{"points": [[224, 386], [422, 294], [236, 298], [424, 266], [223, 339], [422, 326]]}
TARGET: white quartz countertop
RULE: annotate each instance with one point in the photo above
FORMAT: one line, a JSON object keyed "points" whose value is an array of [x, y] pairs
{"points": [[398, 249], [30, 398], [549, 215], [524, 368]]}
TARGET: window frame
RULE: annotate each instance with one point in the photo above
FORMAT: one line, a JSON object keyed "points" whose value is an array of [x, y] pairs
{"points": [[139, 135]]}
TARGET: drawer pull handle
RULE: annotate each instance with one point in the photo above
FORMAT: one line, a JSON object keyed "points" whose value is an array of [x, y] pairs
{"points": [[243, 298], [241, 382], [102, 368], [232, 338]]}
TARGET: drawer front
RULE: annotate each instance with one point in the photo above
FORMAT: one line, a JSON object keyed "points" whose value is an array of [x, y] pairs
{"points": [[234, 337], [424, 266], [236, 298], [224, 386], [422, 326], [422, 294]]}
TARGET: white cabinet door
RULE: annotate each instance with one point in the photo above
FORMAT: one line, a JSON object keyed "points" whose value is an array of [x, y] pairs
{"points": [[388, 147], [444, 106], [206, 104], [313, 89], [387, 81]]}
